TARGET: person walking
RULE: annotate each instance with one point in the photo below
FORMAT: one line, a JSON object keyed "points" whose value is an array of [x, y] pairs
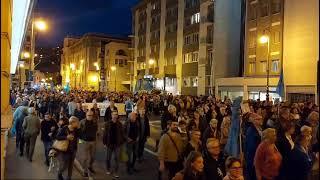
{"points": [[193, 168], [88, 135], [144, 132], [72, 106], [113, 138], [18, 117], [109, 110], [267, 160], [194, 143], [133, 134], [66, 159], [129, 106], [48, 131], [79, 112], [31, 127], [170, 151]]}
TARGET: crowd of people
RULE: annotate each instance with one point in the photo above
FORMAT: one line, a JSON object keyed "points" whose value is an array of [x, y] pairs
{"points": [[198, 134]]}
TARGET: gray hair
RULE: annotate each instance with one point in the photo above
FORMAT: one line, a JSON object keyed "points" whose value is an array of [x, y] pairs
{"points": [[31, 110], [73, 119]]}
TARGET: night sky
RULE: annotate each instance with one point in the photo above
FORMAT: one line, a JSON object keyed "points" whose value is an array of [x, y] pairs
{"points": [[76, 17]]}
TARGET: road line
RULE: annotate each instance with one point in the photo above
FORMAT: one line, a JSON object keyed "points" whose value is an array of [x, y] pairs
{"points": [[151, 152]]}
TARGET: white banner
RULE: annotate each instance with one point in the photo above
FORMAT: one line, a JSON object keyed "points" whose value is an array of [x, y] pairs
{"points": [[104, 106]]}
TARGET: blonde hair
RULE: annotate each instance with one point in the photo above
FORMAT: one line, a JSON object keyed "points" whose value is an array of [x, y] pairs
{"points": [[267, 133], [210, 140], [313, 114]]}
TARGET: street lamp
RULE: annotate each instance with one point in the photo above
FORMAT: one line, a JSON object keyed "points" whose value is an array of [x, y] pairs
{"points": [[263, 40], [26, 55], [40, 25], [114, 68], [151, 61]]}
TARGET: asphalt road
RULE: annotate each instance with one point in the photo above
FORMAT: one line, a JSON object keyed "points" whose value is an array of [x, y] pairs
{"points": [[20, 168]]}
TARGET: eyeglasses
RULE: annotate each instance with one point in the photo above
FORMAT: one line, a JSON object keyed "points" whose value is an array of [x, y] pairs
{"points": [[236, 168]]}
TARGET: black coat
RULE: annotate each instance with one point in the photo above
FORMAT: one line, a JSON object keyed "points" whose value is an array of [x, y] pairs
{"points": [[167, 117], [107, 115], [146, 126], [107, 136], [62, 134], [299, 164], [211, 167]]}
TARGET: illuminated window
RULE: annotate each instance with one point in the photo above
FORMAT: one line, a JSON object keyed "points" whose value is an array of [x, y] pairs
{"points": [[186, 82], [194, 81], [252, 67], [264, 9], [275, 65], [264, 66], [195, 18], [276, 37], [252, 11]]}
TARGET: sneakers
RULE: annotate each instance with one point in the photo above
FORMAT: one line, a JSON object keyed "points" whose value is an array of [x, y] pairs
{"points": [[108, 172], [116, 176]]}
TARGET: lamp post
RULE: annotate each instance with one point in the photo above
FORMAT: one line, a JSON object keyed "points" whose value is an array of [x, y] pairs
{"points": [[263, 40], [41, 26], [114, 68], [96, 64]]}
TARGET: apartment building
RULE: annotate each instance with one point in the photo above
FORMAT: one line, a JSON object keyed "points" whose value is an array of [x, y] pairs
{"points": [[96, 62], [293, 47], [173, 45]]}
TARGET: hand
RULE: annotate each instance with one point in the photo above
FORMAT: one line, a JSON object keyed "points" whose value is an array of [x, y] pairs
{"points": [[70, 137], [161, 167], [130, 140], [50, 134], [53, 128]]}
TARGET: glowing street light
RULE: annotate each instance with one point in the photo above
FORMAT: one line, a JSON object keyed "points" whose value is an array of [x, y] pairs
{"points": [[151, 61], [72, 66], [50, 78], [40, 25], [264, 39], [43, 80], [26, 55], [113, 68]]}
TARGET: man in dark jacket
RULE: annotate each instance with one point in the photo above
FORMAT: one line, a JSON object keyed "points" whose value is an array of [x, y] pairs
{"points": [[109, 110], [48, 131], [214, 162], [88, 131], [79, 113], [132, 132], [113, 138], [144, 132], [66, 159]]}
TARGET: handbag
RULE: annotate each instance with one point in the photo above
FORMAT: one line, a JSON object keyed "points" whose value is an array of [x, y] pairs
{"points": [[61, 145]]}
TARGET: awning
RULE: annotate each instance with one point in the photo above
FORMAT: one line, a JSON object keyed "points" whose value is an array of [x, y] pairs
{"points": [[301, 89], [21, 15]]}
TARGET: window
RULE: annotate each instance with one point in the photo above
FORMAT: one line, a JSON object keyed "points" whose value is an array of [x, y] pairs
{"points": [[264, 9], [121, 62], [187, 40], [276, 6], [141, 65], [252, 67], [194, 81], [195, 57], [153, 6], [171, 44], [195, 18], [121, 53], [252, 11], [191, 3], [116, 61], [210, 57], [275, 65], [186, 82], [171, 60], [252, 40], [125, 62], [276, 37], [208, 81], [195, 38], [263, 66]]}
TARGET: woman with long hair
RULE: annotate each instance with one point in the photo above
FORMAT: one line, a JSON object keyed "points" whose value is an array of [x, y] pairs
{"points": [[193, 168]]}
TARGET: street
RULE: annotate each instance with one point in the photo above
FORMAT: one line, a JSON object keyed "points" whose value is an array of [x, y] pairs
{"points": [[20, 168]]}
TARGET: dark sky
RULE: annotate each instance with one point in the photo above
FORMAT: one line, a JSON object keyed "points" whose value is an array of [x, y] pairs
{"points": [[76, 17]]}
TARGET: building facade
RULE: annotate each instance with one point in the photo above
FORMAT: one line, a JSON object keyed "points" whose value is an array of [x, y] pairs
{"points": [[287, 24], [173, 45], [86, 62]]}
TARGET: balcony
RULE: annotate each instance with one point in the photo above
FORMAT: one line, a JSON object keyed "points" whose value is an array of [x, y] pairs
{"points": [[154, 70], [170, 69]]}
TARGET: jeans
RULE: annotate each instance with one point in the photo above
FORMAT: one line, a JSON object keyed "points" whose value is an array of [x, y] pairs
{"points": [[132, 150], [47, 146], [142, 142], [66, 160], [89, 148], [20, 141], [116, 153], [30, 141]]}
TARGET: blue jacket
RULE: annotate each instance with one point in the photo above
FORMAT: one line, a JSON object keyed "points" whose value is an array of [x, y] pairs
{"points": [[251, 144], [18, 116]]}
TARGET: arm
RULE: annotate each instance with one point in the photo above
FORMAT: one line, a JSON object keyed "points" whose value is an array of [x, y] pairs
{"points": [[62, 134], [25, 123]]}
